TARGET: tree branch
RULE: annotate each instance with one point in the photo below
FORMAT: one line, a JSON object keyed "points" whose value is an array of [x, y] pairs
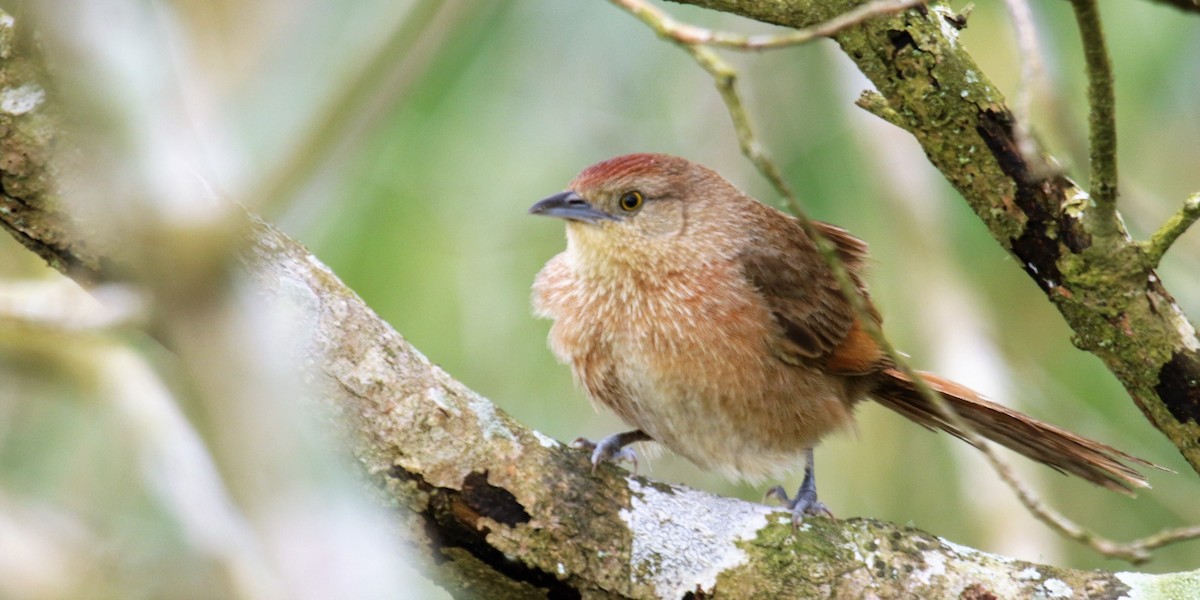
{"points": [[1192, 6], [502, 511], [1161, 241], [1107, 292], [1031, 73], [692, 39], [499, 510], [1102, 120], [689, 35]]}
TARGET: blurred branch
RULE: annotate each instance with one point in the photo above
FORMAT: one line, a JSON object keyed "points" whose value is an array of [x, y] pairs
{"points": [[1162, 239], [1030, 57], [59, 305], [118, 170], [929, 85], [1184, 5], [1102, 121], [391, 61], [502, 511]]}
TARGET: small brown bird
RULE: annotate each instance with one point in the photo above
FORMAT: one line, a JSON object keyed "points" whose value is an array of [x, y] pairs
{"points": [[710, 323]]}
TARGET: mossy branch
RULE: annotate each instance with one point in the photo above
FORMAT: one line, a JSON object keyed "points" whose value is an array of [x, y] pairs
{"points": [[470, 484], [1102, 120], [1162, 239], [690, 35]]}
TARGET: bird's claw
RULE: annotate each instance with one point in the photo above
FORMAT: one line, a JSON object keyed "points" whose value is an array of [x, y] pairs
{"points": [[804, 504], [608, 450]]}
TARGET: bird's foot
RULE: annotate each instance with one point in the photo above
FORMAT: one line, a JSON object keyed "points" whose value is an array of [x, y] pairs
{"points": [[804, 504], [606, 451], [613, 448]]}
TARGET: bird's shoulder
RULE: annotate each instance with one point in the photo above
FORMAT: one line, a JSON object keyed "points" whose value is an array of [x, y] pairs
{"points": [[816, 324]]}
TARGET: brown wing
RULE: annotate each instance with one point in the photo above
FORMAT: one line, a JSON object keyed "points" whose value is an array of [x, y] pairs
{"points": [[816, 322]]}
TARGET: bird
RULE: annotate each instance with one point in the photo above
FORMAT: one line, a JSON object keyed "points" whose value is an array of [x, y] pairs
{"points": [[711, 324]]}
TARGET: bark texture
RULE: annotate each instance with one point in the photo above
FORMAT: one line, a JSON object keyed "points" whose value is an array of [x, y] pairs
{"points": [[498, 510]]}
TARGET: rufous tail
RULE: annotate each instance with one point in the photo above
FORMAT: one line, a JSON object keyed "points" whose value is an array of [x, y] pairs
{"points": [[1053, 446]]}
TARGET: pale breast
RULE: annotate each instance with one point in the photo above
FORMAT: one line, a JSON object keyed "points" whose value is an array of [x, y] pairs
{"points": [[687, 359]]}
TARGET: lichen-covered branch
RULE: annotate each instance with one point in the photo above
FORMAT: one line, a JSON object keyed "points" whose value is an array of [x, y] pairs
{"points": [[1161, 241], [666, 26], [498, 510], [1102, 120], [1101, 281], [501, 511], [514, 508]]}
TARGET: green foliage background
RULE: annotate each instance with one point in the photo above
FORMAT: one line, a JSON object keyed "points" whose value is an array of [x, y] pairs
{"points": [[422, 211]]}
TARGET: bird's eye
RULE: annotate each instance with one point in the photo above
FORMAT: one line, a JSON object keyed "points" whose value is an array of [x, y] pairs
{"points": [[631, 201]]}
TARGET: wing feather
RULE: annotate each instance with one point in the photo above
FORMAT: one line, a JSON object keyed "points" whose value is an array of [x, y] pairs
{"points": [[814, 318]]}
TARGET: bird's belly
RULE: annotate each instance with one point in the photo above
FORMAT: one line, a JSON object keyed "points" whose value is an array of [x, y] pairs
{"points": [[715, 394], [739, 426]]}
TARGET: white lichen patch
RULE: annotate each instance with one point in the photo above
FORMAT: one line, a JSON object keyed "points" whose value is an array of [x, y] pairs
{"points": [[435, 395], [960, 566], [545, 440], [945, 19], [1187, 333], [6, 34], [489, 422], [1140, 585], [686, 539], [20, 100], [973, 554], [312, 261], [1057, 588], [1077, 204], [935, 566], [1145, 586], [1029, 573]]}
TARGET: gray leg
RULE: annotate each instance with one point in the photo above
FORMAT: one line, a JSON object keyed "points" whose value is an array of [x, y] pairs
{"points": [[805, 503], [612, 448]]}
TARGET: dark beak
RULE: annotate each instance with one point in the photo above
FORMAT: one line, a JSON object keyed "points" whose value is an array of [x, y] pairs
{"points": [[570, 206]]}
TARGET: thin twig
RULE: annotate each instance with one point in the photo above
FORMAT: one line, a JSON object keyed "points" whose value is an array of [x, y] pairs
{"points": [[1166, 537], [1161, 241], [1102, 123], [725, 79], [1192, 6], [1031, 74], [691, 35], [60, 306], [327, 129]]}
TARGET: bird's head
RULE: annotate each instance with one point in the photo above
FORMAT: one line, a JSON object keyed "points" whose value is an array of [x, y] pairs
{"points": [[646, 211]]}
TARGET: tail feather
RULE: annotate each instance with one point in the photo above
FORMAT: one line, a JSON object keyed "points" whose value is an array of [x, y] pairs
{"points": [[1053, 446]]}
